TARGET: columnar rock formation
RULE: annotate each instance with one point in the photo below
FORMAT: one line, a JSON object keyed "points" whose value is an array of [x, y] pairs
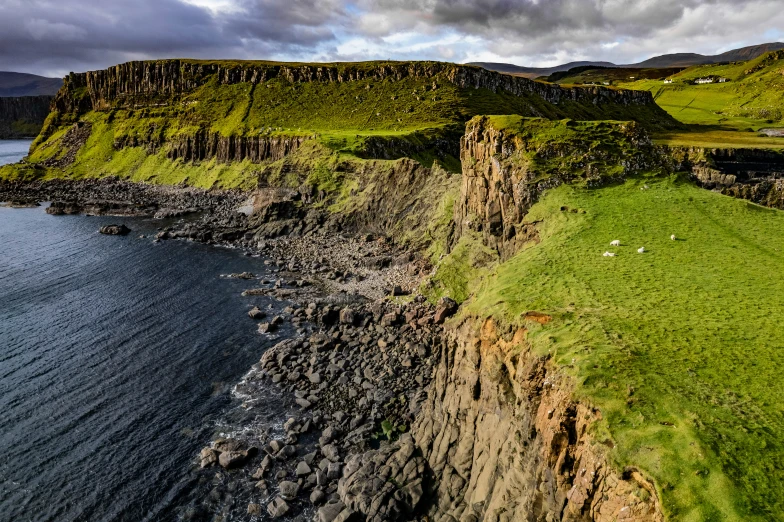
{"points": [[136, 83], [23, 117], [505, 172], [506, 443]]}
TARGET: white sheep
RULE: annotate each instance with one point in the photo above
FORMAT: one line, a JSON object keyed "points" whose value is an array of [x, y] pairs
{"points": [[641, 250], [672, 237], [616, 242], [609, 254]]}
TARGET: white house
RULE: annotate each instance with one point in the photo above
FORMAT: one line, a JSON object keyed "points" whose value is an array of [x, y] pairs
{"points": [[703, 80], [667, 81]]}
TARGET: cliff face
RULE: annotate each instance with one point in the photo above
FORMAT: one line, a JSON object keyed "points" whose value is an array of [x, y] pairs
{"points": [[136, 84], [506, 443], [507, 168], [23, 117], [753, 174], [225, 149]]}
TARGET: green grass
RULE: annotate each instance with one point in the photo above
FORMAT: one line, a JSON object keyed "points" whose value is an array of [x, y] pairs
{"points": [[718, 114], [395, 117], [722, 114], [680, 347]]}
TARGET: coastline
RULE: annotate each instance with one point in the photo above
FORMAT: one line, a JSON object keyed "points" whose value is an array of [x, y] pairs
{"points": [[354, 376]]}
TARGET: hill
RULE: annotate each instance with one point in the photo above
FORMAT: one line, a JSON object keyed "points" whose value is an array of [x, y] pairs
{"points": [[677, 60], [536, 72], [13, 84], [661, 342], [132, 119], [742, 98]]}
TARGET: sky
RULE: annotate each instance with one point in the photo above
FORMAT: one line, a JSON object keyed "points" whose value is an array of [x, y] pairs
{"points": [[54, 37]]}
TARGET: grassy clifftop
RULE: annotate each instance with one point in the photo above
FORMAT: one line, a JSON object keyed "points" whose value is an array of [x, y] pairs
{"points": [[677, 347], [137, 113]]}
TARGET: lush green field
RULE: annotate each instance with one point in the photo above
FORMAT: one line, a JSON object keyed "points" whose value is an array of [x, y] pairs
{"points": [[679, 347], [724, 114], [718, 114]]}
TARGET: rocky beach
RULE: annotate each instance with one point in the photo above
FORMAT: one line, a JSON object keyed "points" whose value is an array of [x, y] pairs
{"points": [[355, 373]]}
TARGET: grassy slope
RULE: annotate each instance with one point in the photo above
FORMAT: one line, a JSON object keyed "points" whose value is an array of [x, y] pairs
{"points": [[724, 114], [679, 347], [341, 115], [720, 114]]}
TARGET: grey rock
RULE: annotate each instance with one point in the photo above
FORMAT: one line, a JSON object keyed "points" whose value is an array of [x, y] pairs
{"points": [[288, 490], [331, 452], [333, 471], [277, 508], [330, 511], [317, 496], [303, 469]]}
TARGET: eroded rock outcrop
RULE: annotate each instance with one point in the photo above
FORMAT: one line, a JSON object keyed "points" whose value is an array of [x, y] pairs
{"points": [[143, 83], [507, 168], [506, 442], [753, 174]]}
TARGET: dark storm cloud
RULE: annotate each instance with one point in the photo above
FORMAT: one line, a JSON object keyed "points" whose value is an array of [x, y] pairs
{"points": [[53, 37], [61, 35]]}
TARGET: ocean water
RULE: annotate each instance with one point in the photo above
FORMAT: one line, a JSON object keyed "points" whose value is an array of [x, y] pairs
{"points": [[117, 357], [12, 151]]}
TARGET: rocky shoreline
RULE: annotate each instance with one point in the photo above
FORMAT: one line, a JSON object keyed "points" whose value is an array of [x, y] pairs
{"points": [[355, 373]]}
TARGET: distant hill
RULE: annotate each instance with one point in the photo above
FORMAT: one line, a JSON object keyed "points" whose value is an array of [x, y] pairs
{"points": [[535, 72], [663, 61], [14, 84]]}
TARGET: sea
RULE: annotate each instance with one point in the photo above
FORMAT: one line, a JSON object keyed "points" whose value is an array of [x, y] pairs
{"points": [[117, 360]]}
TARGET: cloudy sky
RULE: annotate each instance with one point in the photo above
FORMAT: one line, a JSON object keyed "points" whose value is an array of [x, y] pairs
{"points": [[53, 37]]}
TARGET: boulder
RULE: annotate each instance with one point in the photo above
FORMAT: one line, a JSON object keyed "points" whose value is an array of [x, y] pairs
{"points": [[232, 459], [446, 307], [330, 511], [114, 230], [347, 316], [331, 452], [385, 484], [256, 313], [288, 490], [277, 508], [207, 457]]}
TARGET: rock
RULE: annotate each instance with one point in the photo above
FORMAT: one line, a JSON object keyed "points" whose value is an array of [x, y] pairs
{"points": [[114, 230], [208, 457], [389, 319], [349, 515], [267, 328], [277, 508], [256, 313], [303, 469], [254, 509], [303, 403], [398, 495], [446, 307], [347, 316], [331, 452], [288, 490], [315, 378], [330, 511], [232, 459], [333, 470], [317, 496]]}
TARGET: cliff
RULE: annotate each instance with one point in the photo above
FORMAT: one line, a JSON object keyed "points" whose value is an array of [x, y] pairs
{"points": [[23, 117], [751, 174], [508, 162], [506, 441], [135, 84]]}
